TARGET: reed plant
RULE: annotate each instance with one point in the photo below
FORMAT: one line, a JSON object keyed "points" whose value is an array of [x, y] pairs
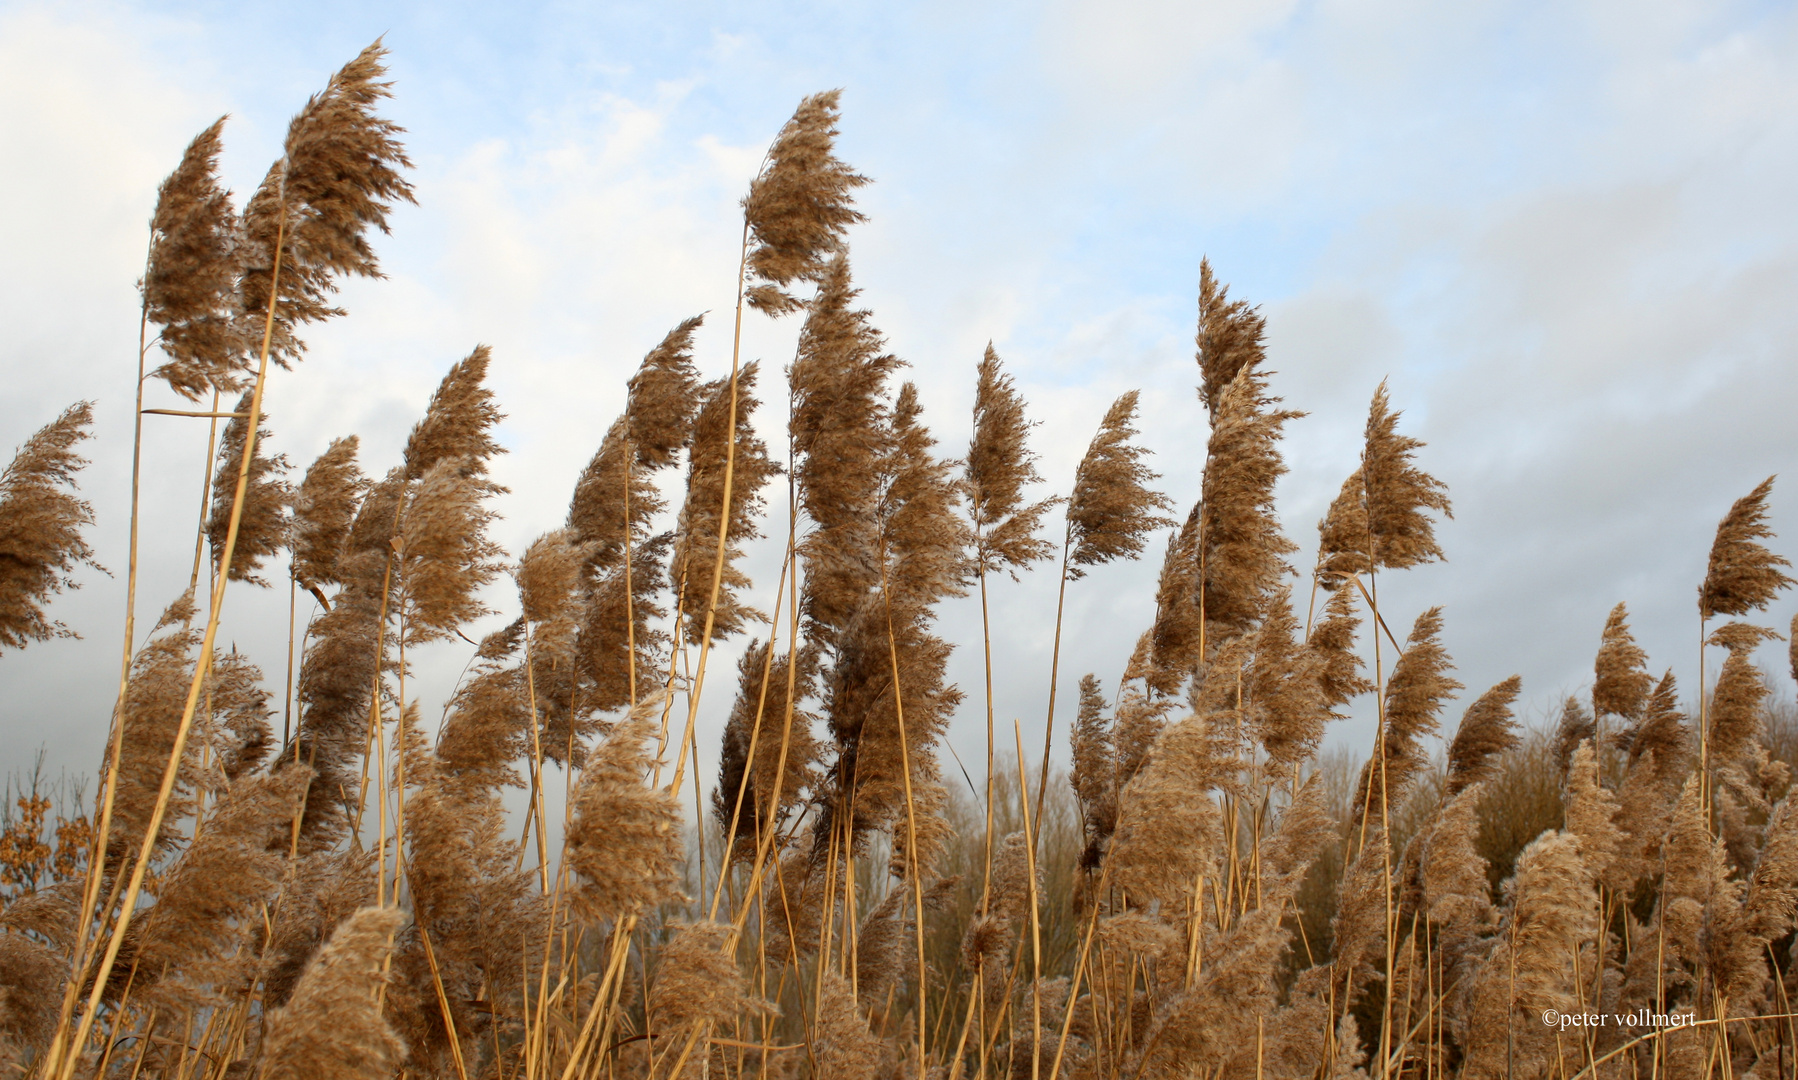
{"points": [[1207, 891]]}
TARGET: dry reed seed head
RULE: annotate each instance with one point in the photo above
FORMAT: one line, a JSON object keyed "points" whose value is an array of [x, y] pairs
{"points": [[840, 434], [664, 396], [1621, 681], [151, 713], [221, 880], [999, 466], [1342, 536], [1743, 575], [1736, 712], [459, 422], [1286, 703], [41, 522], [757, 771], [841, 1043], [486, 729], [318, 893], [1415, 693], [1487, 731], [190, 284], [1243, 552], [549, 576], [243, 732], [1173, 639], [614, 501], [618, 634], [1168, 824], [1661, 735], [338, 175], [696, 540], [1742, 637], [53, 912], [332, 1027], [1453, 871], [1112, 508], [799, 207], [1333, 641], [324, 507], [1094, 762], [1532, 964], [625, 837], [442, 556], [1592, 812], [1398, 494], [262, 525], [697, 981], [1230, 338], [33, 976], [922, 537]]}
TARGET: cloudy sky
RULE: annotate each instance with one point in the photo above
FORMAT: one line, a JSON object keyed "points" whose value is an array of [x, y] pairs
{"points": [[1564, 231]]}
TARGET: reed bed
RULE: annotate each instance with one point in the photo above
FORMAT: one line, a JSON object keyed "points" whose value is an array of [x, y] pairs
{"points": [[1205, 893]]}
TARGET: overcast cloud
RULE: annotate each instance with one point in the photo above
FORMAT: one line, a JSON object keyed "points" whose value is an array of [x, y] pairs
{"points": [[1563, 231]]}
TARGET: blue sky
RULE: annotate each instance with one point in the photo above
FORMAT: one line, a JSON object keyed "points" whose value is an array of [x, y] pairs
{"points": [[1564, 232]]}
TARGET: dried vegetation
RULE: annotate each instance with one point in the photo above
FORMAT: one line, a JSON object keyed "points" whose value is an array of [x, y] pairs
{"points": [[1206, 893]]}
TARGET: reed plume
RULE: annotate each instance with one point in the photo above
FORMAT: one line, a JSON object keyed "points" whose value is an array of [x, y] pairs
{"points": [[218, 883], [889, 662], [1621, 682], [1398, 494], [756, 770], [842, 1043], [1231, 338], [337, 176], [1414, 697], [1242, 550], [1486, 731], [1342, 535], [150, 714], [1112, 508], [1167, 823], [442, 556], [696, 539], [190, 286], [41, 521], [262, 525], [243, 734], [624, 839], [458, 424], [324, 506], [698, 981], [1175, 635], [33, 975], [999, 466], [798, 208], [1743, 575], [1093, 769], [1333, 642], [1736, 710], [332, 1027], [840, 431]]}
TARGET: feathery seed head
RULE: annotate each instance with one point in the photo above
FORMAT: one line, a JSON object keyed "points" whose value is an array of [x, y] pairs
{"points": [[625, 839], [1486, 731], [324, 506], [332, 1027], [999, 466], [1621, 680], [459, 421], [41, 520], [190, 285], [1398, 494], [338, 175], [799, 207], [1112, 508], [1230, 338], [262, 525], [1743, 575]]}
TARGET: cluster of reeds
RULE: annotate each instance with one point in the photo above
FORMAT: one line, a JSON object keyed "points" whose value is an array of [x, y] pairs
{"points": [[1204, 896]]}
